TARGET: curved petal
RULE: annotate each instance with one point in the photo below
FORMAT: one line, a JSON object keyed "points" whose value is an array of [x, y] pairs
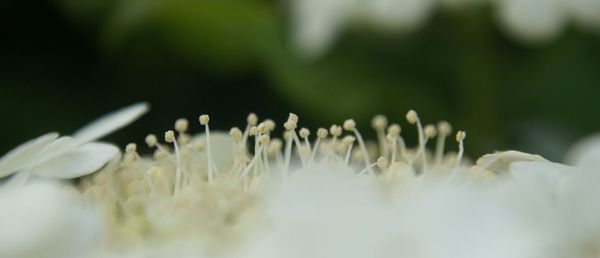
{"points": [[79, 162], [499, 162], [10, 162], [54, 149], [110, 122]]}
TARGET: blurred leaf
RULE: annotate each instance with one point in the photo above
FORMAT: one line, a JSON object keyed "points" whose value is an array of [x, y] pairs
{"points": [[212, 33]]}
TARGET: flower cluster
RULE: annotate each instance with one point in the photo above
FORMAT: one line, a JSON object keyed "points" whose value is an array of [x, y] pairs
{"points": [[316, 23], [323, 193]]}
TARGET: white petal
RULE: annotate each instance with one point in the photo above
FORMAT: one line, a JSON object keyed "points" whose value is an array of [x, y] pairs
{"points": [[10, 162], [50, 151], [545, 177], [499, 162], [111, 122], [78, 162], [46, 219]]}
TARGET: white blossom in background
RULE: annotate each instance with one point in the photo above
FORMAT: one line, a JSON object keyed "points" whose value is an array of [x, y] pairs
{"points": [[533, 21], [316, 24], [586, 13]]}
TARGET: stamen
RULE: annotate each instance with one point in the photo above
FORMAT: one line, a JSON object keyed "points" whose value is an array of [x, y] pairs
{"points": [[349, 141], [393, 133], [382, 163], [444, 129], [413, 118], [304, 133], [460, 137], [263, 140], [379, 123], [203, 119], [252, 119], [151, 140], [236, 134], [170, 138], [131, 153], [350, 125], [181, 125], [321, 134]]}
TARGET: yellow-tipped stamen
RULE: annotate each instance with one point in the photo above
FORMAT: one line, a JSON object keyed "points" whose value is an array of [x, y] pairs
{"points": [[444, 129], [321, 134], [348, 141], [350, 125], [413, 118], [204, 119], [379, 123], [460, 138], [170, 138]]}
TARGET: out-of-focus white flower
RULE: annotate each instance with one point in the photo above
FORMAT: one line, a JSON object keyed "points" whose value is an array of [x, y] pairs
{"points": [[45, 218], [316, 23], [533, 21], [69, 157], [585, 12]]}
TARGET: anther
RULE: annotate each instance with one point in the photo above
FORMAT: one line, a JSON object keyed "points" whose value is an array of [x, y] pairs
{"points": [[270, 124], [181, 125], [253, 131], [335, 130], [293, 118], [151, 140], [349, 139], [290, 125], [394, 130], [382, 163], [204, 119], [170, 136], [412, 116], [304, 132], [322, 133], [263, 139], [444, 128], [379, 122], [460, 136], [235, 133], [349, 125], [263, 128], [430, 131], [252, 119], [131, 148]]}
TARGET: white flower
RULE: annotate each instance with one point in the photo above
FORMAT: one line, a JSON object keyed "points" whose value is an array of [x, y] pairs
{"points": [[45, 218], [562, 199], [69, 157], [533, 21], [316, 23], [586, 13]]}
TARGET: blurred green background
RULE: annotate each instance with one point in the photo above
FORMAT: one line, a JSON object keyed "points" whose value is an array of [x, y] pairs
{"points": [[65, 62]]}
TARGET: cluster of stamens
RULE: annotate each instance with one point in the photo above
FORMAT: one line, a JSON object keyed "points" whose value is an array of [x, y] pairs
{"points": [[184, 173]]}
